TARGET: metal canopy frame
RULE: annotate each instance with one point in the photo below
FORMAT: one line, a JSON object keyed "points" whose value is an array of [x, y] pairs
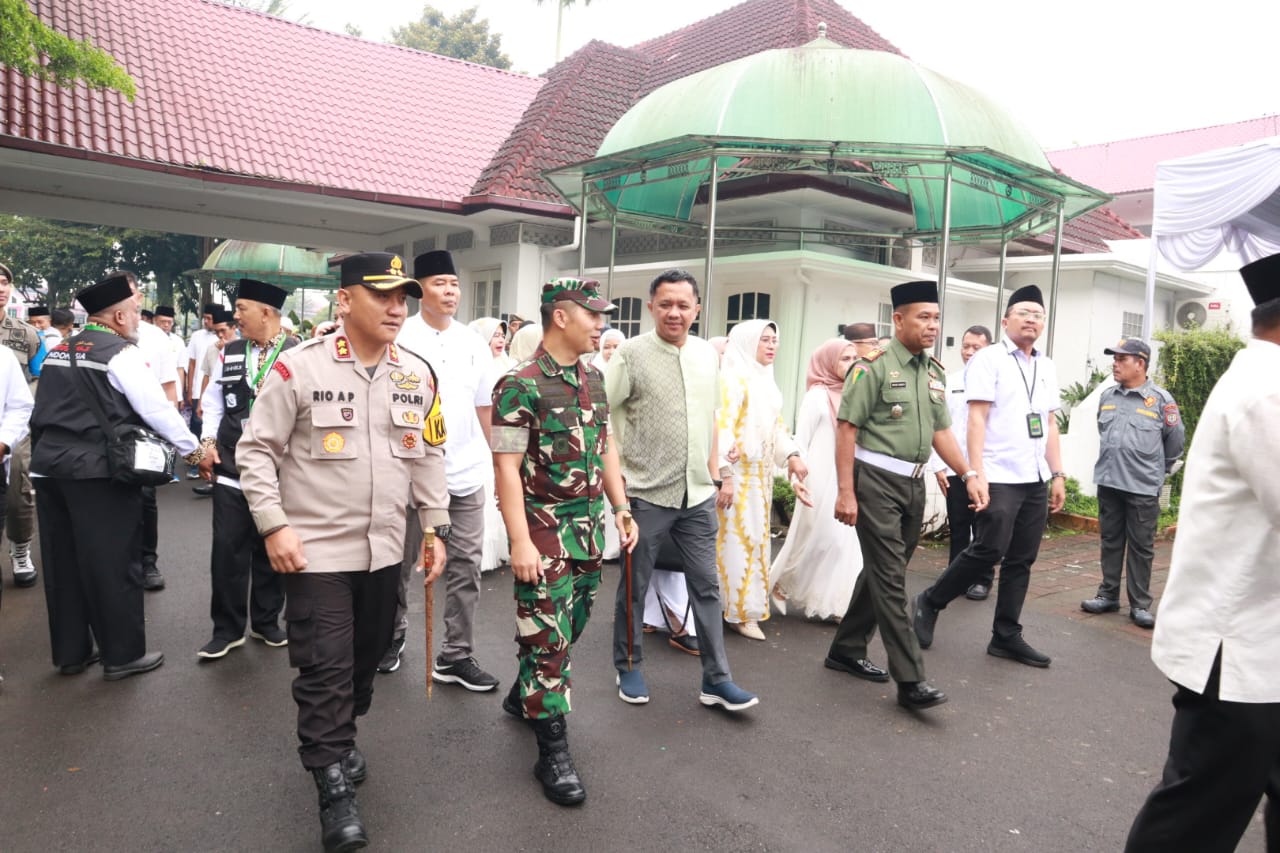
{"points": [[663, 185]]}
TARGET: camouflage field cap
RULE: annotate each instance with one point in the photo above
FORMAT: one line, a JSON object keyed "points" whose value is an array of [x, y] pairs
{"points": [[584, 291]]}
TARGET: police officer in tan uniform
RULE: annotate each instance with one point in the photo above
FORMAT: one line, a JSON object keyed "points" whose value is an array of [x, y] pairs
{"points": [[20, 513], [344, 406]]}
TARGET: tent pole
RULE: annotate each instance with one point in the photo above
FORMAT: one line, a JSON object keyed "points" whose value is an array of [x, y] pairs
{"points": [[1004, 254], [1148, 313], [613, 254], [1054, 285], [711, 245], [943, 251]]}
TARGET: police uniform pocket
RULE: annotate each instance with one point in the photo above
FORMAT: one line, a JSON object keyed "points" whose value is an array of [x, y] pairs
{"points": [[1142, 433], [301, 626], [407, 437], [333, 432]]}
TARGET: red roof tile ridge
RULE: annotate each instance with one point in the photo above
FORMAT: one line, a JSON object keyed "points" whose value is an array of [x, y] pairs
{"points": [[386, 45], [1273, 117]]}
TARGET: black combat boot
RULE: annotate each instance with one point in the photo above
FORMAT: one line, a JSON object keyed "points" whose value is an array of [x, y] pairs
{"points": [[555, 770], [511, 702], [340, 826]]}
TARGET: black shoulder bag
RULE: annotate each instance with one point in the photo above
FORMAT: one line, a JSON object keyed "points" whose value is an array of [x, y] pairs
{"points": [[136, 456]]}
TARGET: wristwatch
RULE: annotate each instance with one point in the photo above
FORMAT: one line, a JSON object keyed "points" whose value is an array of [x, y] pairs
{"points": [[444, 531], [968, 475]]}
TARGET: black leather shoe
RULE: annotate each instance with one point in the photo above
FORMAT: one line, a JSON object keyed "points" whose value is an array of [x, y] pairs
{"points": [[354, 765], [977, 592], [863, 668], [152, 580], [923, 620], [77, 668], [918, 695], [203, 490], [146, 663], [1017, 649], [686, 644], [511, 702], [1100, 605], [1142, 617], [340, 827], [555, 770]]}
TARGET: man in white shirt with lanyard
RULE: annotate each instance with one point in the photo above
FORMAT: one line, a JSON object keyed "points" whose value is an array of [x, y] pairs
{"points": [[464, 367], [1012, 389], [1218, 636]]}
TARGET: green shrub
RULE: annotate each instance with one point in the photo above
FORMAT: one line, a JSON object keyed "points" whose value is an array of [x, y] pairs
{"points": [[784, 495]]}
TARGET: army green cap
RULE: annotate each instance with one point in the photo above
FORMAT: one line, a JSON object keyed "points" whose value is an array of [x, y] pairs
{"points": [[584, 291]]}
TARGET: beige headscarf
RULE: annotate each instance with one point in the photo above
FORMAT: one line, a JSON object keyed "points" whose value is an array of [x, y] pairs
{"points": [[525, 342]]}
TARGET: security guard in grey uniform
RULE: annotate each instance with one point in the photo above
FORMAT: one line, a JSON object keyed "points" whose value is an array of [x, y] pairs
{"points": [[20, 509], [892, 411], [358, 416], [1140, 437]]}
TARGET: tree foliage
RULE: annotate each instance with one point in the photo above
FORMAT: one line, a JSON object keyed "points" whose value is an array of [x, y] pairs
{"points": [[34, 49], [274, 8], [462, 37]]}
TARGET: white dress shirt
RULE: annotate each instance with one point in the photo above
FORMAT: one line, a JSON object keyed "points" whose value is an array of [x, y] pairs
{"points": [[156, 349], [17, 400], [958, 407], [1224, 588], [201, 339], [464, 368], [1016, 386]]}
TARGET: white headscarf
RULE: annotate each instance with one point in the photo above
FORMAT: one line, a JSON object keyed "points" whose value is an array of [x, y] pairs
{"points": [[487, 327], [524, 343], [764, 399], [608, 335]]}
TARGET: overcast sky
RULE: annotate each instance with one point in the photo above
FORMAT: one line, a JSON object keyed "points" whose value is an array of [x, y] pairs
{"points": [[1073, 72]]}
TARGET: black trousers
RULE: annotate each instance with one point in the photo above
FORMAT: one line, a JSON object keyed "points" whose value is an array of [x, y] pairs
{"points": [[960, 522], [890, 512], [150, 527], [1008, 532], [243, 585], [339, 626], [1223, 756], [1127, 522], [91, 546]]}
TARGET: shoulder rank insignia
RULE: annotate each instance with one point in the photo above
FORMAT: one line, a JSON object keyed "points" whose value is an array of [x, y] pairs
{"points": [[873, 355], [939, 364], [342, 347]]}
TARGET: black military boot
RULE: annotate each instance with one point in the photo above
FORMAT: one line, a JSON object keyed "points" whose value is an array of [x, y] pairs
{"points": [[511, 702], [340, 826], [555, 770]]}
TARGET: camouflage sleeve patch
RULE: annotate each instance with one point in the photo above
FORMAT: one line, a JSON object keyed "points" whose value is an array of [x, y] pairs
{"points": [[514, 415], [508, 439]]}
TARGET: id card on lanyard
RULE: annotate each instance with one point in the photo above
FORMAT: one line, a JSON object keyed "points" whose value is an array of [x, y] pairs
{"points": [[1035, 423]]}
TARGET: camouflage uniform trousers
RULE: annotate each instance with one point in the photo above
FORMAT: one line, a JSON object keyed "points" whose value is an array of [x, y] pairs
{"points": [[550, 616]]}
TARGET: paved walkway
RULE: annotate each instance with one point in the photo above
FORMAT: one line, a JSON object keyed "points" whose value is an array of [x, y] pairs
{"points": [[202, 757]]}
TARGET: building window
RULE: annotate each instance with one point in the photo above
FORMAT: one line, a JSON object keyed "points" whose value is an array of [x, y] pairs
{"points": [[486, 294], [746, 306], [627, 317], [884, 322], [1131, 325]]}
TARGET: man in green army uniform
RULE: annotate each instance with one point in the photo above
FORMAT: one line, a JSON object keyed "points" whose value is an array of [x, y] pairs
{"points": [[554, 465], [893, 410]]}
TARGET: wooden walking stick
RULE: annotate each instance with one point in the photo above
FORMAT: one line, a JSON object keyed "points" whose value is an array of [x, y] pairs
{"points": [[428, 560], [626, 563]]}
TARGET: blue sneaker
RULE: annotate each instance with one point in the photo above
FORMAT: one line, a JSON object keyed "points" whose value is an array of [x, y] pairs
{"points": [[631, 687], [727, 695]]}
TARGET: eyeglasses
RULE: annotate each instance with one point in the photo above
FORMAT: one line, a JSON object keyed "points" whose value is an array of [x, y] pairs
{"points": [[1024, 314]]}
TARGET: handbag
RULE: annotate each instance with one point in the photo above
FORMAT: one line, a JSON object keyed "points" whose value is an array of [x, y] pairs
{"points": [[136, 456]]}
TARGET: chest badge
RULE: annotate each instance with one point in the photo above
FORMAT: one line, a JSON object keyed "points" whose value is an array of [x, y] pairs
{"points": [[334, 443], [348, 413], [406, 381], [896, 411], [409, 441], [1149, 402], [231, 400]]}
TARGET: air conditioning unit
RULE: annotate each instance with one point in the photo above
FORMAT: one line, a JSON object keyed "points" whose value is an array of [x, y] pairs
{"points": [[1202, 314]]}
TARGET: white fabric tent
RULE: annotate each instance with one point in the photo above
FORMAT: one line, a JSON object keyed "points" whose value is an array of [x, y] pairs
{"points": [[1225, 199]]}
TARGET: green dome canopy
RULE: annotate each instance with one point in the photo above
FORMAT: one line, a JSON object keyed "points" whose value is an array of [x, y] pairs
{"points": [[824, 91], [290, 267]]}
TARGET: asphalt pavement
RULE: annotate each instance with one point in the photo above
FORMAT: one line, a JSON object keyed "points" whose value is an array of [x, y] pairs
{"points": [[202, 756]]}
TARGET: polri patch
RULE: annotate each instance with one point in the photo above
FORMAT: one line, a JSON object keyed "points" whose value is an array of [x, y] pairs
{"points": [[334, 443], [409, 440]]}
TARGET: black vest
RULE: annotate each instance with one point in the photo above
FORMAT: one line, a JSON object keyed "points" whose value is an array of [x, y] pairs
{"points": [[66, 441], [237, 397]]}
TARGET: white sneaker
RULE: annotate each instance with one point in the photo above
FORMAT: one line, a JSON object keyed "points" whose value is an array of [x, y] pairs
{"points": [[24, 571]]}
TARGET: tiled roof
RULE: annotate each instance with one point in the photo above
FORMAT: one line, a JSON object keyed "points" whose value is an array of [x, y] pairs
{"points": [[589, 91], [1089, 232], [225, 90], [1129, 165]]}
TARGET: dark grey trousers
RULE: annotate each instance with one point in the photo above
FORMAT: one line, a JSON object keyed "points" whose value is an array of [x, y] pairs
{"points": [[693, 532], [1127, 522]]}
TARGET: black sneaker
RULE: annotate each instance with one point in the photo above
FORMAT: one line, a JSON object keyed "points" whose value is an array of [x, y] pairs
{"points": [[152, 580], [391, 660], [272, 635], [465, 672], [217, 647], [1017, 649]]}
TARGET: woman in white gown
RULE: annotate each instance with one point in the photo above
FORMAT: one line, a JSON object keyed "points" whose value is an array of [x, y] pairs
{"points": [[750, 420], [816, 569], [495, 549], [609, 340]]}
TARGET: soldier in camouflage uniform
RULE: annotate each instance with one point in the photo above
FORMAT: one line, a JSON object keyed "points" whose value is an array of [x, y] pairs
{"points": [[554, 466]]}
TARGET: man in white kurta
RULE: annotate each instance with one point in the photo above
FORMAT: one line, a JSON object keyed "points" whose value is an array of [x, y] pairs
{"points": [[1218, 636]]}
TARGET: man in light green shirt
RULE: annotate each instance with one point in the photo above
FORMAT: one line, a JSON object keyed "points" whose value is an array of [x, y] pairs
{"points": [[663, 388]]}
